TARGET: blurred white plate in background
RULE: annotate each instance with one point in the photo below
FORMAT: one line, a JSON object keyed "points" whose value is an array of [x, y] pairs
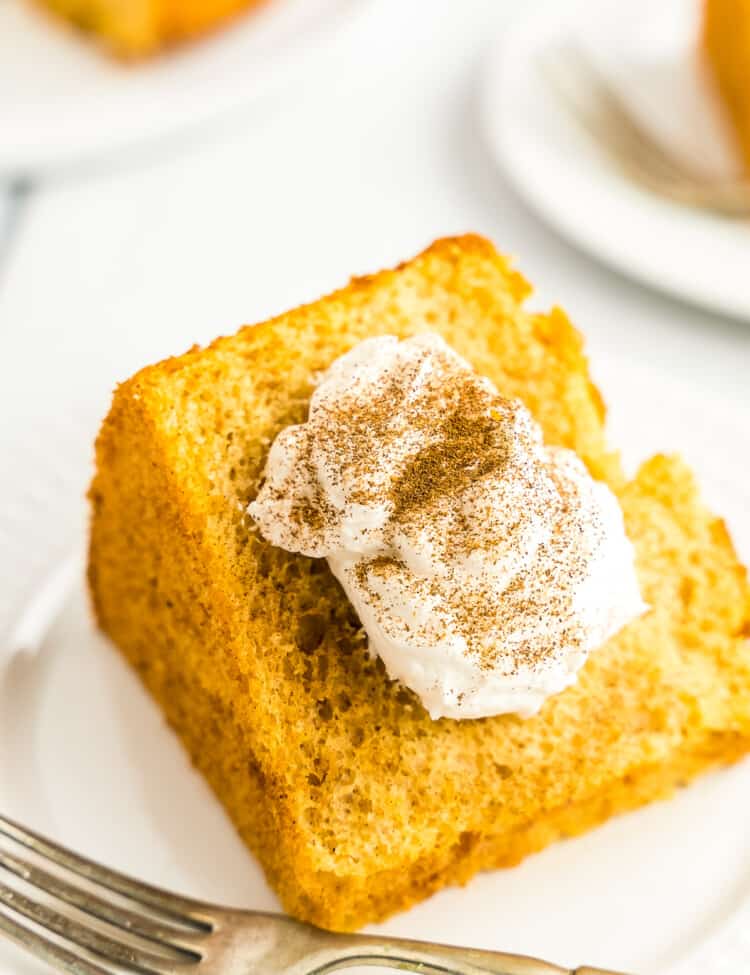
{"points": [[650, 51], [64, 101]]}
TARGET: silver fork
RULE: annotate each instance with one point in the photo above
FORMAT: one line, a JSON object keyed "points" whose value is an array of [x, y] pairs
{"points": [[596, 105], [91, 920]]}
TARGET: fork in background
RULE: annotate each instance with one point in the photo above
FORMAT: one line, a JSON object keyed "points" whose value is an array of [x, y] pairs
{"points": [[90, 920], [595, 104]]}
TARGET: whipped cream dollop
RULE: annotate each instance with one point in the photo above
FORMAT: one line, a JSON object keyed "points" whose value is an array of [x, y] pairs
{"points": [[484, 565]]}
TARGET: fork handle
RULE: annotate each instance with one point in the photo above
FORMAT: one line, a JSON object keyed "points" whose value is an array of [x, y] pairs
{"points": [[432, 959]]}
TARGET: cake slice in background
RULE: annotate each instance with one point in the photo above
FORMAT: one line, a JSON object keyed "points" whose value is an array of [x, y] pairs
{"points": [[726, 40], [135, 28], [356, 802]]}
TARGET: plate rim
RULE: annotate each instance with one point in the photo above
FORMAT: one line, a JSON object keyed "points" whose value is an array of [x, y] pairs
{"points": [[501, 72]]}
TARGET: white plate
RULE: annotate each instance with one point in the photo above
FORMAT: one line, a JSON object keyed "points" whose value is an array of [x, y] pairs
{"points": [[86, 757], [62, 101], [572, 184]]}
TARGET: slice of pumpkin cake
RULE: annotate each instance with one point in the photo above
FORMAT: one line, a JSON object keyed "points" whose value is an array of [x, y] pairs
{"points": [[356, 801]]}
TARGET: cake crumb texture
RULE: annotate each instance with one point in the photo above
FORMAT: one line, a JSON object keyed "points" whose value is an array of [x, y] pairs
{"points": [[726, 39], [356, 802]]}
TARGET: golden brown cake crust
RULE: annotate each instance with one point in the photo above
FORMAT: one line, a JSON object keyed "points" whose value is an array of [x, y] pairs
{"points": [[356, 803]]}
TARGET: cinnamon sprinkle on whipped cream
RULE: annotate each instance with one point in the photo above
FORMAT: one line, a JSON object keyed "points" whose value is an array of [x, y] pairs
{"points": [[484, 565]]}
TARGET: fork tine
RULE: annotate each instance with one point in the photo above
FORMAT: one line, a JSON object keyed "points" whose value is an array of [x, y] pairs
{"points": [[614, 104], [597, 106], [572, 72], [184, 911], [48, 951], [136, 924], [579, 101], [115, 952]]}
